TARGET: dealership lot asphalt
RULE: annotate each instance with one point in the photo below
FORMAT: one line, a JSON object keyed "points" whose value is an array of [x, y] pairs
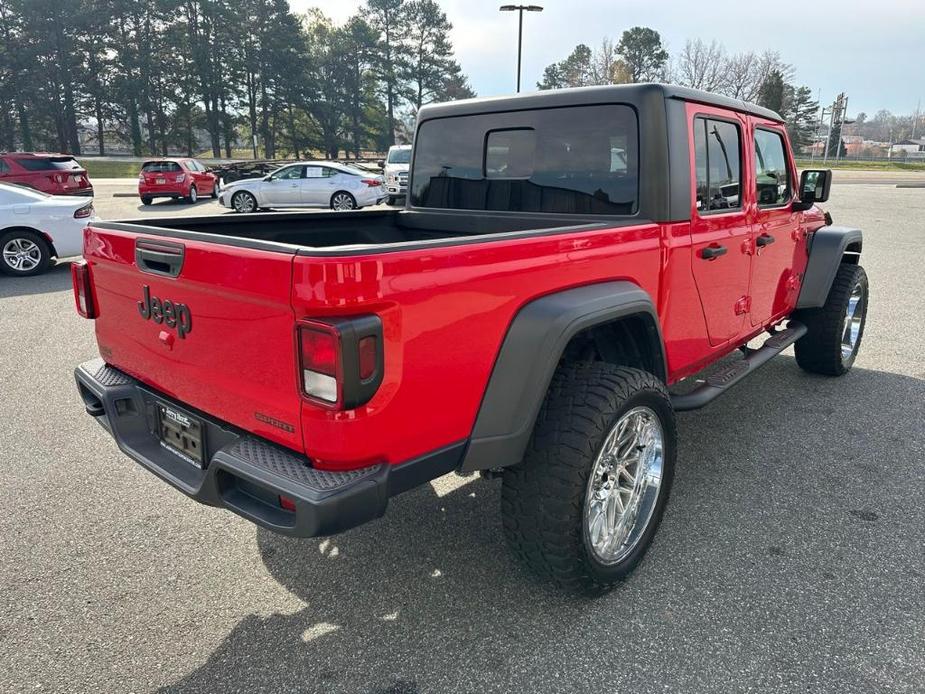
{"points": [[791, 557]]}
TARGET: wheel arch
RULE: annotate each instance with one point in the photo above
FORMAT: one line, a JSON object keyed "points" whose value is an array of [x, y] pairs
{"points": [[346, 192], [830, 247], [544, 331]]}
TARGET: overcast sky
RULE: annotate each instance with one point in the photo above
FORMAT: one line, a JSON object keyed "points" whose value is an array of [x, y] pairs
{"points": [[874, 51]]}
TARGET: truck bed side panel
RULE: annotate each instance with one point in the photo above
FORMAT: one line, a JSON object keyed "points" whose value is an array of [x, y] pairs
{"points": [[445, 313]]}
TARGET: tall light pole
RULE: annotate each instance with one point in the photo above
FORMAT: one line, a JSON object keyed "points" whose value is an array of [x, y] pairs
{"points": [[520, 29]]}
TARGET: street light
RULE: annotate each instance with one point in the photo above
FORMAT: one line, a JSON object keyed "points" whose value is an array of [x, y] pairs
{"points": [[520, 29]]}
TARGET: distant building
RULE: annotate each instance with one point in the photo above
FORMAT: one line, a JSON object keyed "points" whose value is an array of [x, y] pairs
{"points": [[910, 149]]}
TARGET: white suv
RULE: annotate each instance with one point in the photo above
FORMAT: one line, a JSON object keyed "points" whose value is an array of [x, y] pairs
{"points": [[395, 168]]}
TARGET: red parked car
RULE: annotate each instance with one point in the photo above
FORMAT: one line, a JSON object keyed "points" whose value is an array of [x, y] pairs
{"points": [[54, 174], [188, 179], [564, 261]]}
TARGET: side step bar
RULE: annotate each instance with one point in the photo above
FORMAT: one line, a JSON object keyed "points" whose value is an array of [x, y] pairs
{"points": [[718, 383]]}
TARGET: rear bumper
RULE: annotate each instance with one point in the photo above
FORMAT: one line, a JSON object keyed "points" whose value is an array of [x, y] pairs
{"points": [[165, 191], [247, 474]]}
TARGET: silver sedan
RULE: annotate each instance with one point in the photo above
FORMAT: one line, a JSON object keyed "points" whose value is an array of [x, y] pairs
{"points": [[306, 184]]}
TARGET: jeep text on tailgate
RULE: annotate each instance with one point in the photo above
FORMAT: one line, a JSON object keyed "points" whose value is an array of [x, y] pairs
{"points": [[563, 260]]}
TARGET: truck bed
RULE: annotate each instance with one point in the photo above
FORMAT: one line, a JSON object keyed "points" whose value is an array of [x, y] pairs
{"points": [[344, 233]]}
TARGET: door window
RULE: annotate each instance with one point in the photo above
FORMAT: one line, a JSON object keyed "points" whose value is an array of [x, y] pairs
{"points": [[772, 176], [717, 159], [314, 172], [289, 173], [328, 172], [4, 167]]}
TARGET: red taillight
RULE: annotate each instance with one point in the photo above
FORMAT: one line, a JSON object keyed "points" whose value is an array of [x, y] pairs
{"points": [[181, 178], [368, 352], [84, 212], [286, 503], [372, 182], [341, 360], [83, 289], [319, 348], [141, 177]]}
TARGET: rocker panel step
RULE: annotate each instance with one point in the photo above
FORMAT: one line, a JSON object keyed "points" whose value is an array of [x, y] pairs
{"points": [[718, 383]]}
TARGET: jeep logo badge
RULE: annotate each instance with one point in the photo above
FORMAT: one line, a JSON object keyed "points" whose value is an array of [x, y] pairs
{"points": [[171, 314]]}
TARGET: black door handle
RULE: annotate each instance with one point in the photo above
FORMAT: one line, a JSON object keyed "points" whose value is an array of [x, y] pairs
{"points": [[712, 252], [764, 240], [159, 257]]}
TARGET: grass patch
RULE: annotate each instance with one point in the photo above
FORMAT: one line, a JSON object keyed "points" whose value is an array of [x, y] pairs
{"points": [[862, 165], [105, 168]]}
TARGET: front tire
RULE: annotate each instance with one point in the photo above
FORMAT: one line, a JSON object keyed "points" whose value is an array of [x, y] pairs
{"points": [[24, 253], [343, 201], [243, 202], [835, 329], [584, 504]]}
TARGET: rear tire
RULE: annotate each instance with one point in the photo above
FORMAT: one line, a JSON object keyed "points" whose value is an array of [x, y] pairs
{"points": [[193, 195], [559, 505], [343, 201], [24, 253], [147, 201], [835, 329]]}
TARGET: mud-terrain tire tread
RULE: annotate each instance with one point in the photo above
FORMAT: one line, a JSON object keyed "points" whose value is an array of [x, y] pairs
{"points": [[819, 350], [543, 496]]}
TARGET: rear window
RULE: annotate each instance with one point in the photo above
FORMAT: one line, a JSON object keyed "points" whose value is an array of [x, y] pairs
{"points": [[161, 167], [575, 160], [48, 163]]}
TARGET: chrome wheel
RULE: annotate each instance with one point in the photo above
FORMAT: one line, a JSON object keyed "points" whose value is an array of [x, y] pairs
{"points": [[22, 254], [342, 201], [624, 484], [851, 326], [244, 202]]}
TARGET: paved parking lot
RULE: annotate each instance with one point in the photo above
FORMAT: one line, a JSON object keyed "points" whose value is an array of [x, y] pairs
{"points": [[791, 557]]}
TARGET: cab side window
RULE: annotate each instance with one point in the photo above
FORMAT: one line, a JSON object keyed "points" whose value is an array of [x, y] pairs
{"points": [[717, 161], [772, 176]]}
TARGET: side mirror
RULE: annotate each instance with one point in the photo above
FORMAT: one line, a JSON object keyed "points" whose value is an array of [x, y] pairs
{"points": [[815, 185], [381, 163]]}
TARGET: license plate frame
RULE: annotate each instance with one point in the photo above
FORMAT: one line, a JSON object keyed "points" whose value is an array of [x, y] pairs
{"points": [[181, 433], [160, 181]]}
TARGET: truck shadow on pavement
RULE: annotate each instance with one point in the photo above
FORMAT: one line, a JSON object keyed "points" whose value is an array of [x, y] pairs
{"points": [[775, 547], [56, 279]]}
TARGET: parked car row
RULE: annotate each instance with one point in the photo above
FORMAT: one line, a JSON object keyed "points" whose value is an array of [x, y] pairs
{"points": [[43, 206]]}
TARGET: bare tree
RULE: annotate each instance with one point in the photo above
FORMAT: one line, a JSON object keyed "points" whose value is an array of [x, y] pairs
{"points": [[701, 66]]}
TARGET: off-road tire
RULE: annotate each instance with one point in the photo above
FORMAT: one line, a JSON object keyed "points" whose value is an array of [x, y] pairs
{"points": [[819, 351], [543, 497]]}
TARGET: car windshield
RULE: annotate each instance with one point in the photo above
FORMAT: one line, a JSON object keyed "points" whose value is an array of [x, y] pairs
{"points": [[10, 193], [48, 163], [160, 167], [400, 156]]}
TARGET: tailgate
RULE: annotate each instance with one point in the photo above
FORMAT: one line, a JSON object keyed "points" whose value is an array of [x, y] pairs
{"points": [[210, 325]]}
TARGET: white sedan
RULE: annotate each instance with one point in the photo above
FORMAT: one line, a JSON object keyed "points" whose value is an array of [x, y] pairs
{"points": [[306, 184], [35, 227]]}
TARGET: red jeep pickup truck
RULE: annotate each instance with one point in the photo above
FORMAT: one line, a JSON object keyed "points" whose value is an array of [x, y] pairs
{"points": [[564, 259]]}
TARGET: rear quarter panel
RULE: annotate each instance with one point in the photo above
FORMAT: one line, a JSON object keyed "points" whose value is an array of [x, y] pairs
{"points": [[445, 312]]}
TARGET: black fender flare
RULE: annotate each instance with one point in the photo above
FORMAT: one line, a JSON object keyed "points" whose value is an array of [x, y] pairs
{"points": [[826, 253], [529, 355]]}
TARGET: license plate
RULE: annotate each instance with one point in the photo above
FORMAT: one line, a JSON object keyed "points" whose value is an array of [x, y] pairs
{"points": [[180, 434], [160, 181]]}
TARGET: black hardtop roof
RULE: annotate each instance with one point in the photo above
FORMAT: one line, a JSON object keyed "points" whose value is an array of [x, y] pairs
{"points": [[577, 96]]}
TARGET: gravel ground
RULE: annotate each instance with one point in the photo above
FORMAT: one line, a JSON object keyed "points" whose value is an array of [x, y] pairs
{"points": [[791, 557]]}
